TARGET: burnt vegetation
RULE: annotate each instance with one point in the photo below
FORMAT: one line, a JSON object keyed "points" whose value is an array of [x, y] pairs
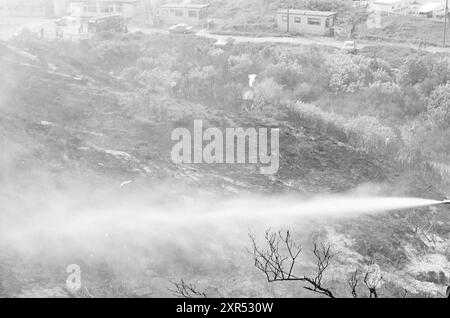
{"points": [[182, 289], [279, 258]]}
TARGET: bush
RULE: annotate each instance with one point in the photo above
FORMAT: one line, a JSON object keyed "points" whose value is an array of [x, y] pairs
{"points": [[347, 74], [268, 92], [288, 74], [240, 66], [116, 54], [363, 132], [413, 71], [429, 134]]}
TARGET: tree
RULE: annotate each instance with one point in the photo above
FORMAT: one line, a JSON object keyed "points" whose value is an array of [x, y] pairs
{"points": [[353, 283], [278, 260], [372, 280], [429, 135], [347, 74], [413, 71]]}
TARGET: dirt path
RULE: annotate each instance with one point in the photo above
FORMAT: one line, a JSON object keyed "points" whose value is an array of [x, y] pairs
{"points": [[318, 41], [324, 41]]}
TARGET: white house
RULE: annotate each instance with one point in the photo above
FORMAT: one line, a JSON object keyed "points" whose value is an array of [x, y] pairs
{"points": [[85, 9], [432, 10], [306, 21], [192, 14], [391, 6]]}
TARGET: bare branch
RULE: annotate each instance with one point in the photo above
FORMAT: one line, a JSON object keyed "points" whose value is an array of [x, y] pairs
{"points": [[279, 266], [185, 290], [405, 293], [323, 257], [372, 280], [353, 283]]}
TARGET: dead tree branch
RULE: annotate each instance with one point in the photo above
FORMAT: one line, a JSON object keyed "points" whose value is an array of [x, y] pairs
{"points": [[323, 257], [278, 260], [185, 290], [372, 280], [353, 283]]}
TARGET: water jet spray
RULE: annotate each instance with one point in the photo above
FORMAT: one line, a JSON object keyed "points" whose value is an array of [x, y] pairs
{"points": [[444, 202]]}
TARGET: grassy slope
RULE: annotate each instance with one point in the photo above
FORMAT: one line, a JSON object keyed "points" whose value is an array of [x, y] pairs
{"points": [[58, 127], [259, 15]]}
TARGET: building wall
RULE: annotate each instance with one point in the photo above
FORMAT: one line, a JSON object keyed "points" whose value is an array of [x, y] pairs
{"points": [[85, 10], [169, 16], [33, 8], [394, 7], [299, 24], [438, 11]]}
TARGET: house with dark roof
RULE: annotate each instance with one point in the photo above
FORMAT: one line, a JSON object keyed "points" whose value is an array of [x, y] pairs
{"points": [[192, 14], [306, 21]]}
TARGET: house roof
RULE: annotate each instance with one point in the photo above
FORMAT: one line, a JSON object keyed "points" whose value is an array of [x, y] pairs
{"points": [[387, 2], [93, 1], [307, 12], [184, 6], [429, 7]]}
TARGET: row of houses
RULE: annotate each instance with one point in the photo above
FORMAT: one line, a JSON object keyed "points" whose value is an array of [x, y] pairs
{"points": [[295, 21], [75, 8], [92, 8], [323, 22], [171, 13], [287, 20]]}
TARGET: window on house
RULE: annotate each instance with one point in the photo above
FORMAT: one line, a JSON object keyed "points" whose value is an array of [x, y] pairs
{"points": [[192, 14], [202, 14], [164, 12], [297, 20], [119, 7], [330, 21], [90, 8], [313, 21], [106, 8], [284, 18], [178, 13]]}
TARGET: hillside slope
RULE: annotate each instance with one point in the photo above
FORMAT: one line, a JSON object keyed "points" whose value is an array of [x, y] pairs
{"points": [[74, 136]]}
